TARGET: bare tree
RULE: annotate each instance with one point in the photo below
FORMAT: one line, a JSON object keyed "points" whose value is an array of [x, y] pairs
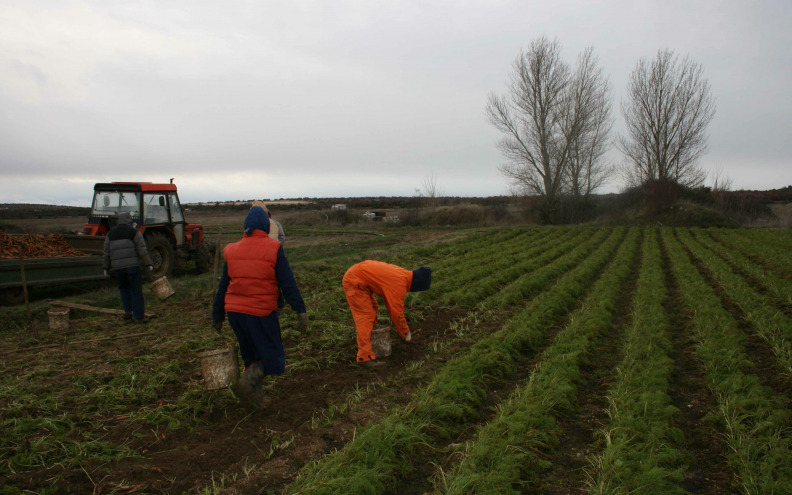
{"points": [[667, 110], [549, 118], [589, 104], [429, 187]]}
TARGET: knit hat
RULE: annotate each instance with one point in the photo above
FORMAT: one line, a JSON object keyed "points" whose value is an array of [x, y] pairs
{"points": [[124, 218], [257, 219], [422, 279]]}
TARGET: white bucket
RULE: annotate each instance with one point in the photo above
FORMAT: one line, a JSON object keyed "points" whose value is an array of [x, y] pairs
{"points": [[58, 318], [161, 288], [220, 367], [381, 341]]}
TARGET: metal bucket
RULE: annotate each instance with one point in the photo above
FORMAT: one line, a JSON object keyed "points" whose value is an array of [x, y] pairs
{"points": [[58, 318], [381, 341], [161, 288], [220, 367]]}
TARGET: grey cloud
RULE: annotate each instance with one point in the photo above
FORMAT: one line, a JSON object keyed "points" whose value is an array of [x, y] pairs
{"points": [[382, 92]]}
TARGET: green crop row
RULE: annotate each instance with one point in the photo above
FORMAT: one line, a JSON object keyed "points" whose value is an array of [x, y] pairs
{"points": [[507, 451], [756, 425], [770, 324], [380, 453], [473, 244], [756, 244], [472, 268], [543, 270], [778, 238], [493, 356], [779, 287], [641, 453], [490, 280]]}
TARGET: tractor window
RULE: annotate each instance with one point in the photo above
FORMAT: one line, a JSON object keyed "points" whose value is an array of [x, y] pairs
{"points": [[176, 211], [111, 203], [155, 208]]}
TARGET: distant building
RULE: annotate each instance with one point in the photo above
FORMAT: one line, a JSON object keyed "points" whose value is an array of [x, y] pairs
{"points": [[338, 207], [377, 216]]}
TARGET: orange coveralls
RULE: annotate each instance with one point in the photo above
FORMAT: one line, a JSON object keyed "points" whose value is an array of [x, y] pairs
{"points": [[390, 282]]}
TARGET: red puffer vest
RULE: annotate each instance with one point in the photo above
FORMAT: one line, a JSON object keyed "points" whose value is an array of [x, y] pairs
{"points": [[251, 267]]}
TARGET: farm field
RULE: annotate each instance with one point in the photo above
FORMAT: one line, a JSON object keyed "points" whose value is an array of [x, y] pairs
{"points": [[546, 360]]}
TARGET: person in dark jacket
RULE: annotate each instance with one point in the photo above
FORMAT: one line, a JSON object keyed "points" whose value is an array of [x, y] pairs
{"points": [[124, 250], [255, 270]]}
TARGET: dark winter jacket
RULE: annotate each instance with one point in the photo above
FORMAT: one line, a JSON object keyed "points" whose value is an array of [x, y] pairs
{"points": [[124, 246]]}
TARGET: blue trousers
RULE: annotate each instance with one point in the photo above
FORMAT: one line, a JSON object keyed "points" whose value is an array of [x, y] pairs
{"points": [[130, 284], [259, 340]]}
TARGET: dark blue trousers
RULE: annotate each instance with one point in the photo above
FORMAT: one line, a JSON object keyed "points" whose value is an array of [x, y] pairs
{"points": [[259, 340], [130, 284]]}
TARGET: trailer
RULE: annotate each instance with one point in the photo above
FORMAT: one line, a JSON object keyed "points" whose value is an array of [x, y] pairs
{"points": [[16, 274]]}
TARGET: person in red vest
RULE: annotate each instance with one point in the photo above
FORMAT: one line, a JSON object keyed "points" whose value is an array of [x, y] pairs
{"points": [[255, 270], [367, 278]]}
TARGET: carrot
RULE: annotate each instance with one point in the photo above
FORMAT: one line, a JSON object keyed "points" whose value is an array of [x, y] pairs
{"points": [[35, 246]]}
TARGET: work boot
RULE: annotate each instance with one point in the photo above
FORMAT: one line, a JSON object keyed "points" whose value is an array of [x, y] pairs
{"points": [[128, 315], [245, 388], [372, 364]]}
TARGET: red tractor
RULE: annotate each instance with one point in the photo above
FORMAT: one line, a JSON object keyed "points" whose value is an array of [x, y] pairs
{"points": [[157, 213]]}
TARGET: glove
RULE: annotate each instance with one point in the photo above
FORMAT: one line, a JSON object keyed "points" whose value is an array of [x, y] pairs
{"points": [[302, 322], [105, 273], [151, 268], [217, 325]]}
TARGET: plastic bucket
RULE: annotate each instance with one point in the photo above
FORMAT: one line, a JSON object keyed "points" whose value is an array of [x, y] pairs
{"points": [[381, 341], [220, 367], [161, 288], [58, 318]]}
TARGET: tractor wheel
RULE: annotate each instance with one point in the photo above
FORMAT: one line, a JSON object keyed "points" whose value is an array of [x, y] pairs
{"points": [[203, 259], [161, 252]]}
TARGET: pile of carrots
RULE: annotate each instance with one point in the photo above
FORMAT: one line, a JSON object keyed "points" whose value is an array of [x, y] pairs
{"points": [[35, 246]]}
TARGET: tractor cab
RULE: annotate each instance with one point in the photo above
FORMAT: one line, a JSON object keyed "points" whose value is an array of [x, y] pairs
{"points": [[149, 204]]}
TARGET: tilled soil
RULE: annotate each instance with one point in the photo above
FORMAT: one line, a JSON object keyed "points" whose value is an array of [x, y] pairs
{"points": [[229, 451]]}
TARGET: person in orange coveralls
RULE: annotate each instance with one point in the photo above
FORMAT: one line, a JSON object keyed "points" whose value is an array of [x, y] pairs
{"points": [[367, 278]]}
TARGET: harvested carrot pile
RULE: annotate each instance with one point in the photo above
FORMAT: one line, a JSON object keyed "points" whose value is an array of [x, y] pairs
{"points": [[35, 246]]}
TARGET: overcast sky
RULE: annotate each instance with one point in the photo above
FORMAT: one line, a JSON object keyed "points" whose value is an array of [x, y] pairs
{"points": [[262, 99]]}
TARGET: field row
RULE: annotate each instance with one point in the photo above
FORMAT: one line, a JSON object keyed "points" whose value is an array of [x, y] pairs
{"points": [[575, 280], [601, 359]]}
